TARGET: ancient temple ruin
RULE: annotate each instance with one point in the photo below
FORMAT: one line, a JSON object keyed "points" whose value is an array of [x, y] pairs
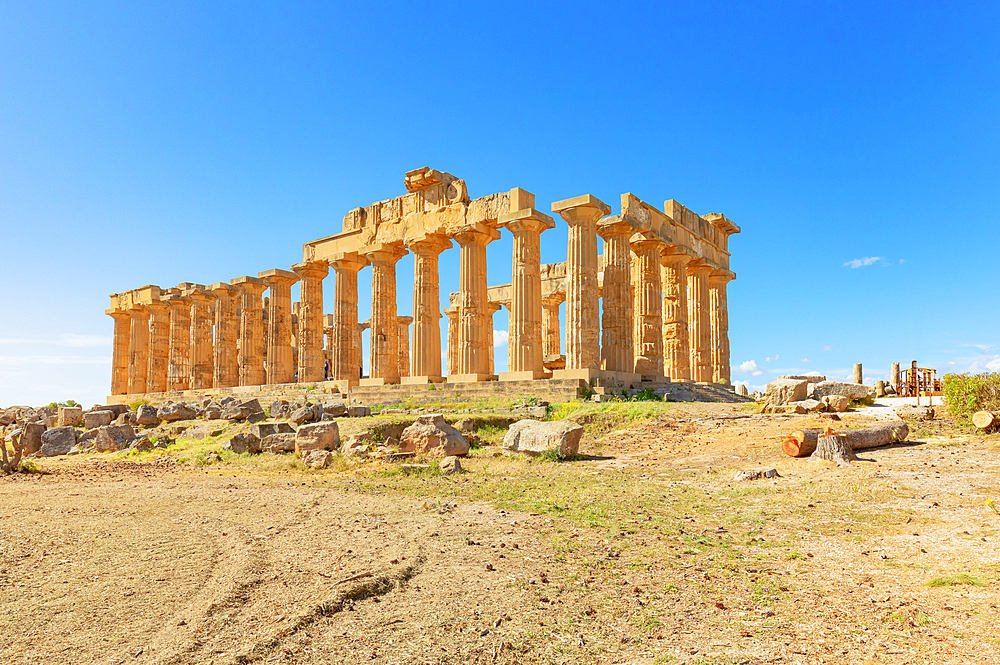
{"points": [[651, 309]]}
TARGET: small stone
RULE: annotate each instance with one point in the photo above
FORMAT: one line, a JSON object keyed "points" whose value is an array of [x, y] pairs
{"points": [[213, 411], [836, 403], [450, 465], [336, 409], [264, 429], [756, 474], [141, 444], [31, 437], [356, 444], [302, 415], [318, 459], [911, 412], [465, 424]]}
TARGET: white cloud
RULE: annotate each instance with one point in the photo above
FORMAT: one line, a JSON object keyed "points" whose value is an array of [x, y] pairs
{"points": [[757, 373], [804, 360], [866, 261], [748, 366], [828, 347], [985, 364], [769, 360], [902, 260], [982, 347], [500, 338]]}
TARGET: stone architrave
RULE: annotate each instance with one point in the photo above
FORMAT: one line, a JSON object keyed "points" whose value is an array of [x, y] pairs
{"points": [[475, 332], [551, 339], [583, 357], [138, 349], [345, 342], [649, 304], [404, 345], [250, 357], [310, 339], [279, 367], [227, 328], [524, 343], [159, 346], [719, 320], [617, 349], [179, 364], [385, 328], [699, 324], [452, 357], [426, 355], [202, 353], [676, 352], [120, 351]]}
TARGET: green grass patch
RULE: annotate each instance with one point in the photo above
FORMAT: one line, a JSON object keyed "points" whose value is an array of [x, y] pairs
{"points": [[961, 579]]}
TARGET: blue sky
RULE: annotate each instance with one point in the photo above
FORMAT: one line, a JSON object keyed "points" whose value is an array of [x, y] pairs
{"points": [[856, 144]]}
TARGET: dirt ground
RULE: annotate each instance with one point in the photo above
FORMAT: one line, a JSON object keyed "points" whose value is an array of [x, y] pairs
{"points": [[644, 552]]}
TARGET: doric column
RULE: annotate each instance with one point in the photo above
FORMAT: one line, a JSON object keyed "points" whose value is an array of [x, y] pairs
{"points": [[699, 326], [426, 307], [311, 320], [475, 333], [179, 363], [719, 315], [404, 344], [360, 328], [452, 314], [345, 342], [385, 329], [227, 328], [551, 339], [649, 304], [279, 368], [159, 346], [582, 311], [202, 354], [676, 352], [138, 349], [491, 309], [617, 350], [524, 344], [120, 351], [250, 357]]}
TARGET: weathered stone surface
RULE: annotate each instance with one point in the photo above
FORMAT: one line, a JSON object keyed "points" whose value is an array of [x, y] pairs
{"points": [[450, 465], [785, 391], [335, 409], [203, 432], [303, 414], [810, 405], [356, 444], [146, 415], [172, 411], [358, 411], [57, 441], [756, 474], [431, 435], [280, 409], [742, 390], [71, 416], [111, 438], [127, 418], [836, 403], [317, 436], [811, 378], [534, 437], [318, 459], [235, 412], [31, 437], [257, 417], [278, 443], [465, 424], [537, 412], [50, 421], [264, 429], [93, 419], [244, 442], [141, 443], [910, 412], [213, 411], [850, 390]]}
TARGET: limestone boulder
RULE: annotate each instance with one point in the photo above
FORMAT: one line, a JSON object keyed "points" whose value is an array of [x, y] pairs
{"points": [[465, 425], [212, 411], [785, 391], [241, 410], [356, 445], [57, 441], [810, 405], [280, 409], [7, 416], [534, 437], [141, 443], [337, 409], [303, 414], [94, 419], [172, 411], [811, 378], [431, 435], [127, 418], [112, 438], [278, 443], [849, 390], [911, 412], [450, 465], [264, 429], [117, 409], [317, 436], [318, 459], [537, 412], [244, 442], [69, 416], [358, 411], [836, 403], [50, 421], [31, 437], [146, 415]]}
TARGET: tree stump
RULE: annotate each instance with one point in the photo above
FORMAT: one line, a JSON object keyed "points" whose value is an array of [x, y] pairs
{"points": [[835, 448], [985, 420]]}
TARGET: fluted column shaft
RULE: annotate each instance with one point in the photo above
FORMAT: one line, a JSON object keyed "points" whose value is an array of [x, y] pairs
{"points": [[179, 362], [227, 327], [159, 347], [250, 357], [310, 340], [385, 329], [426, 356], [138, 350], [551, 339], [676, 351], [202, 353], [649, 304], [280, 367], [452, 314], [120, 351], [699, 326], [404, 345], [345, 340], [475, 332], [491, 309], [524, 344], [719, 315], [617, 350]]}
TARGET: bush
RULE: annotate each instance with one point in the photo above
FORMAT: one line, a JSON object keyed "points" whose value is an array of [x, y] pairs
{"points": [[966, 394]]}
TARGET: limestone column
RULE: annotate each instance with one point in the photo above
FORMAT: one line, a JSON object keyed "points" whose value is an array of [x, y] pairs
{"points": [[250, 357], [385, 328], [475, 334], [279, 368], [617, 350], [345, 343], [551, 339], [492, 309], [138, 349], [179, 363], [649, 304], [452, 314], [699, 324], [404, 344], [227, 332], [202, 354], [893, 368], [311, 320], [524, 343], [719, 315], [361, 327], [427, 306], [120, 351], [582, 311], [159, 346], [676, 351]]}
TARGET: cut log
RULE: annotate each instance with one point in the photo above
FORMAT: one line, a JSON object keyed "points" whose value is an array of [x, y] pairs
{"points": [[985, 419], [834, 447], [802, 443]]}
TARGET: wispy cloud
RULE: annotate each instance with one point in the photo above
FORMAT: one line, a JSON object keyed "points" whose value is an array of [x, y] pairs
{"points": [[804, 360], [770, 359], [866, 261], [985, 364], [66, 340], [54, 360], [500, 338], [982, 347], [828, 347]]}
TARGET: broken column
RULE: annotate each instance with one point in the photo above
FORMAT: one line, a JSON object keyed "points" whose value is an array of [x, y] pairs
{"points": [[475, 331], [404, 345], [858, 376], [676, 351], [179, 362], [699, 325], [159, 346], [310, 338], [385, 329], [279, 367], [227, 327], [719, 313], [120, 351], [426, 355], [617, 351], [345, 343], [202, 353], [250, 358], [649, 304], [138, 349]]}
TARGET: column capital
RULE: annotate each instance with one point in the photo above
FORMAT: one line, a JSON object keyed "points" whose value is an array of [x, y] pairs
{"points": [[527, 219], [199, 295], [311, 269], [158, 307], [611, 227], [644, 241], [428, 244], [581, 209], [364, 325], [179, 301], [721, 277], [386, 252], [278, 277], [118, 314], [451, 311], [698, 266], [476, 233], [672, 254], [404, 320], [554, 299], [347, 261], [138, 309], [224, 290], [251, 285]]}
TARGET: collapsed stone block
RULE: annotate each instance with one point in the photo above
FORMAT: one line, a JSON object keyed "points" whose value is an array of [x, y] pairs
{"points": [[431, 435], [336, 409], [112, 438], [244, 442], [450, 465], [356, 444], [71, 416], [785, 391], [94, 419], [147, 415], [911, 412], [212, 411], [262, 430], [57, 441], [358, 411], [317, 436], [836, 403], [849, 390], [172, 411], [534, 437], [318, 459], [31, 437], [278, 443]]}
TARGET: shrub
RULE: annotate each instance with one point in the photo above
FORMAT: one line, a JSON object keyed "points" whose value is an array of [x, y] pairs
{"points": [[966, 394]]}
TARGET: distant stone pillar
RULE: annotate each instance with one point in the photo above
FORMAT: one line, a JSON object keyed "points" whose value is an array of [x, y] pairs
{"points": [[893, 370], [385, 328], [475, 334], [179, 363], [582, 311], [345, 342], [491, 309], [551, 339], [649, 305], [452, 314], [361, 327], [404, 344], [120, 351], [280, 368], [858, 376], [250, 358], [427, 306], [227, 332], [699, 325], [159, 346], [202, 355], [719, 314], [676, 351], [310, 339], [617, 350], [138, 349]]}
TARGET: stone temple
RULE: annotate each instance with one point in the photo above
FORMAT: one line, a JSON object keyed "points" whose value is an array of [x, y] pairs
{"points": [[650, 312]]}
